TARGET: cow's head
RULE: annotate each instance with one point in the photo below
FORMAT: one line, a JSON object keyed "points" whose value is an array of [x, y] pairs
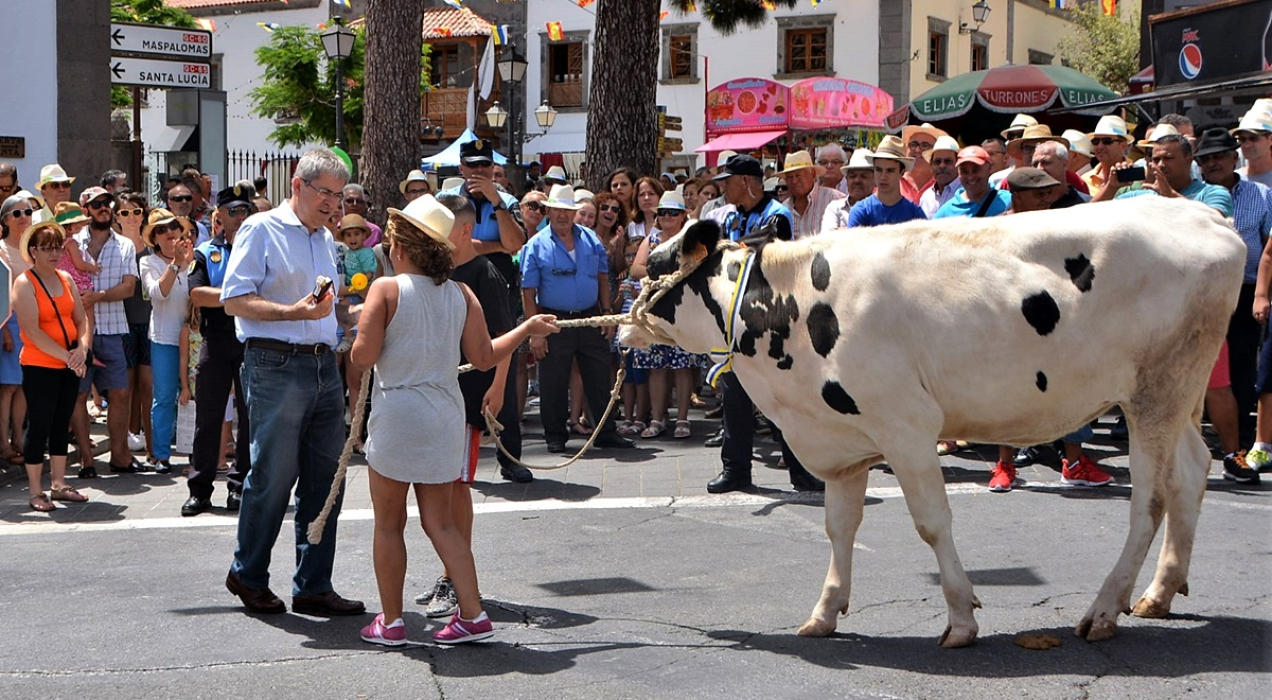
{"points": [[691, 314]]}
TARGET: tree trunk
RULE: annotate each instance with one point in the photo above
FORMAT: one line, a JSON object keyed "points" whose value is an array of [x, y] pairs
{"points": [[391, 119], [622, 125]]}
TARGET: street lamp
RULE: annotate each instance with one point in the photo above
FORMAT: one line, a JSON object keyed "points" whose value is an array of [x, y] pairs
{"points": [[337, 42], [496, 116], [980, 15], [545, 115]]}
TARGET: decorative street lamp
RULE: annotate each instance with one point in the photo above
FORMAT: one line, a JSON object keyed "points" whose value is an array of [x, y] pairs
{"points": [[496, 116], [980, 15], [512, 70], [337, 42], [545, 115]]}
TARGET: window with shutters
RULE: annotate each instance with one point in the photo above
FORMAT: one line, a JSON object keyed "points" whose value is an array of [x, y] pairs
{"points": [[805, 46], [980, 51], [938, 49], [565, 73], [806, 50]]}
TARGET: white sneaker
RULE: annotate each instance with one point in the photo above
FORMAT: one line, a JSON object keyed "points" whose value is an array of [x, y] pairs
{"points": [[136, 442]]}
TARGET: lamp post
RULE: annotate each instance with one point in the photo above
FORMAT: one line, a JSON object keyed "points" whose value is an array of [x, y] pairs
{"points": [[512, 70], [980, 14], [337, 42]]}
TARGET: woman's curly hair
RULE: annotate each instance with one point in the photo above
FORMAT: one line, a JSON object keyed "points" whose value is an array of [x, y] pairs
{"points": [[427, 253]]}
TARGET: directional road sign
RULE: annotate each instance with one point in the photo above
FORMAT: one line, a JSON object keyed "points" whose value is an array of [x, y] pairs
{"points": [[174, 42], [148, 73]]}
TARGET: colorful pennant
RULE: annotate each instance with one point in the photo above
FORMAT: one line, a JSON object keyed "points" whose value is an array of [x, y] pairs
{"points": [[499, 33], [269, 26], [585, 3], [1110, 7], [555, 33]]}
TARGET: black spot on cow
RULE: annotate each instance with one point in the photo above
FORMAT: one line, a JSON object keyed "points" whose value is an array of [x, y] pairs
{"points": [[786, 362], [765, 312], [835, 397], [1041, 312], [823, 328], [820, 270], [1081, 271], [1041, 381], [699, 283]]}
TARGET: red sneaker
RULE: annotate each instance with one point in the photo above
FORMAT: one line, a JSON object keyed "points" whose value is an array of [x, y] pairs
{"points": [[1002, 478], [1084, 473]]}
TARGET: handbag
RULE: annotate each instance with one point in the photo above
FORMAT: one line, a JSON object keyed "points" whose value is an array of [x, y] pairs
{"points": [[66, 338]]}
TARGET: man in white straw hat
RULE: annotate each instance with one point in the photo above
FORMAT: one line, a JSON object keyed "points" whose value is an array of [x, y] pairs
{"points": [[945, 180], [887, 205], [565, 272], [54, 187], [918, 177], [1081, 151], [808, 198], [1110, 141], [415, 184], [1018, 125], [1254, 133], [860, 179]]}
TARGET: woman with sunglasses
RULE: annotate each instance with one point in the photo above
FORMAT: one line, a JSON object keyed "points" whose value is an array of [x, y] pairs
{"points": [[666, 362], [165, 277], [15, 218], [130, 217], [645, 219]]}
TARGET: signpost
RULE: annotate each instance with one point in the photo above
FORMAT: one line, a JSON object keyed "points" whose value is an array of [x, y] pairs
{"points": [[151, 40], [667, 145], [149, 73]]}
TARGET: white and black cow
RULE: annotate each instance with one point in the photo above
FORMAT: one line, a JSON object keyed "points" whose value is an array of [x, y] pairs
{"points": [[870, 344]]}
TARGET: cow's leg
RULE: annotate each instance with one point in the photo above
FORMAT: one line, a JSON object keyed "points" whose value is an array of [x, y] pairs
{"points": [[845, 504], [1183, 505]]}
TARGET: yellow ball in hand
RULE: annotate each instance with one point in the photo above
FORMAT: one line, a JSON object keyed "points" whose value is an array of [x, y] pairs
{"points": [[358, 282]]}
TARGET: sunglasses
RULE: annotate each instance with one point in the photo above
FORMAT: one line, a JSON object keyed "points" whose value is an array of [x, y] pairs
{"points": [[611, 207], [181, 198], [1243, 138], [480, 164], [781, 188], [99, 204], [125, 213], [15, 213], [532, 206], [240, 210], [1106, 141], [57, 185], [670, 212], [159, 229]]}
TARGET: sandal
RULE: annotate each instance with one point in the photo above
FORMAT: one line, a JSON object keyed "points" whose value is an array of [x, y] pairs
{"points": [[88, 472], [638, 427], [656, 428], [580, 427], [624, 427], [682, 430], [67, 493], [42, 503], [946, 447]]}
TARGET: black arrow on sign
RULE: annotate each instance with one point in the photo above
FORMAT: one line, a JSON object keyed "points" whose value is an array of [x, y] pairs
{"points": [[118, 70], [117, 36]]}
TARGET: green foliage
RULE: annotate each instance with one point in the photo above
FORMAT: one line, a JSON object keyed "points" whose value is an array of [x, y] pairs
{"points": [[298, 87], [1103, 47], [144, 12], [727, 15]]}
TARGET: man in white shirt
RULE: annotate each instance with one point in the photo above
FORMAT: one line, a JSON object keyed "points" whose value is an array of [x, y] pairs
{"points": [[942, 158], [1254, 133], [859, 175], [832, 158], [808, 198]]}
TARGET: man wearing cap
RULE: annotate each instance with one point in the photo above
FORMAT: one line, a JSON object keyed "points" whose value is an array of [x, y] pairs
{"points": [[1254, 133], [111, 286], [1053, 158], [415, 184], [976, 198], [357, 202], [497, 234], [1022, 149], [565, 272], [1032, 189], [747, 208], [886, 205], [219, 361], [831, 158], [945, 182], [1110, 141], [918, 140], [860, 179], [278, 288], [54, 186], [555, 176], [808, 198]]}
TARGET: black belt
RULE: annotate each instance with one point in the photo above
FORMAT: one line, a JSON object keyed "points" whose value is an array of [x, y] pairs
{"points": [[585, 313], [280, 346]]}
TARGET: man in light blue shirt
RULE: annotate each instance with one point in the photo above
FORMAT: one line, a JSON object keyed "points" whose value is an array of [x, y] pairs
{"points": [[294, 392], [977, 198]]}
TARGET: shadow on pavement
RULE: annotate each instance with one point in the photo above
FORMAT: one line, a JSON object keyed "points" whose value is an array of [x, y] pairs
{"points": [[539, 489]]}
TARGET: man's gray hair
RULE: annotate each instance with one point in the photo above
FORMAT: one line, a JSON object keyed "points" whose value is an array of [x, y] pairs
{"points": [[831, 148], [9, 170], [319, 162], [1056, 148], [356, 188]]}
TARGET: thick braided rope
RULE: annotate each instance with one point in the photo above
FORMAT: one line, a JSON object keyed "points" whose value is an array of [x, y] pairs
{"points": [[320, 522]]}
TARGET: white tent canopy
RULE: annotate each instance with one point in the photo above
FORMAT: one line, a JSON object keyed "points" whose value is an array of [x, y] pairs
{"points": [[450, 155]]}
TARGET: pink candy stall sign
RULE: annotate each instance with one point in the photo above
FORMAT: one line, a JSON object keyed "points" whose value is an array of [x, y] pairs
{"points": [[747, 104], [829, 103]]}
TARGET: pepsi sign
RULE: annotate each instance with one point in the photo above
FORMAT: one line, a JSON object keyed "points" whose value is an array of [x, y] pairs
{"points": [[1211, 43], [1190, 61]]}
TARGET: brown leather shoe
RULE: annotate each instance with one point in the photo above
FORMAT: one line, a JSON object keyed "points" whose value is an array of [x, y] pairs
{"points": [[326, 605], [256, 600]]}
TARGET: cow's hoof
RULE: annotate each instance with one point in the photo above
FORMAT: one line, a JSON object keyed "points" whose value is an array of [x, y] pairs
{"points": [[955, 637], [1150, 608], [1096, 630], [816, 628]]}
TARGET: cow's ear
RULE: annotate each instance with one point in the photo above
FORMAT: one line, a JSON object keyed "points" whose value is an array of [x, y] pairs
{"points": [[700, 239], [764, 233]]}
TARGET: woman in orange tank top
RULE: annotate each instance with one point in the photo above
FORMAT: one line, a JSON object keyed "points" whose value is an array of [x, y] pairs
{"points": [[55, 336]]}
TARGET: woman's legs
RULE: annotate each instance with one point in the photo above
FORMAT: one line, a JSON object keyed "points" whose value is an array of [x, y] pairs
{"points": [[163, 408], [17, 417], [450, 544], [684, 379], [388, 501], [6, 400], [659, 394]]}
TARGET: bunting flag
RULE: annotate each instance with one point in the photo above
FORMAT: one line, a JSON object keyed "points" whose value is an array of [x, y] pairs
{"points": [[499, 33], [268, 26], [769, 5], [206, 24], [691, 7], [457, 4], [1110, 7], [1056, 4], [663, 15], [585, 3], [442, 31], [555, 33], [815, 3], [347, 4]]}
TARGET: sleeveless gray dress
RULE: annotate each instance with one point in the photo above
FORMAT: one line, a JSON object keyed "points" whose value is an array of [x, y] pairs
{"points": [[416, 431]]}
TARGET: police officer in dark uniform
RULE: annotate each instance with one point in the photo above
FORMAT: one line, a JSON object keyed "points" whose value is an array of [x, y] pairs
{"points": [[750, 212], [219, 360]]}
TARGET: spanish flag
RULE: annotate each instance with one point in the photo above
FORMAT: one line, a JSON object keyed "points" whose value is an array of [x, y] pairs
{"points": [[663, 15], [1110, 7], [585, 3], [555, 32], [443, 31]]}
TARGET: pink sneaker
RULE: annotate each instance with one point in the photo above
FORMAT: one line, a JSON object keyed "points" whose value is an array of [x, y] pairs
{"points": [[394, 635], [459, 630]]}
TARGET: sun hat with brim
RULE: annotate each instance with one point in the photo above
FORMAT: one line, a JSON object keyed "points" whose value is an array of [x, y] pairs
{"points": [[859, 160], [562, 197], [770, 185], [413, 176], [52, 173], [1079, 142], [1160, 131], [943, 143], [67, 213], [1255, 121], [1111, 125], [430, 216], [891, 148], [913, 130], [25, 243], [556, 174], [92, 193], [1018, 124], [581, 195], [451, 183], [162, 217], [352, 221], [1215, 140], [800, 160], [724, 156], [1034, 134], [1029, 179], [672, 199], [32, 196]]}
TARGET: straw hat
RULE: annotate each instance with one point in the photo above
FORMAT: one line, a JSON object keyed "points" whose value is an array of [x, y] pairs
{"points": [[909, 132], [1256, 121], [353, 221], [52, 173], [27, 235], [581, 195], [943, 143], [672, 199], [413, 176], [859, 160], [159, 217], [1018, 124], [67, 213], [724, 156], [1158, 132], [556, 174], [1079, 143], [430, 216], [1034, 134], [562, 197], [1110, 125], [892, 148], [800, 160], [452, 183]]}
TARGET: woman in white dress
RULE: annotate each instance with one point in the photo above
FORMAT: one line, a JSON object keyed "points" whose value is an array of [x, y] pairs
{"points": [[412, 329]]}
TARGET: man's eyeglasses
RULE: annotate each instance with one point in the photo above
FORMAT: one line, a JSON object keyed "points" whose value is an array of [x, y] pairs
{"points": [[15, 213], [921, 145], [1105, 141], [322, 191], [8, 189], [99, 204], [125, 213], [416, 192], [670, 212], [57, 185], [480, 164], [181, 198], [1242, 138]]}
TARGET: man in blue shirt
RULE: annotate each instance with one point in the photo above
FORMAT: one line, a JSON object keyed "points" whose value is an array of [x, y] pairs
{"points": [[977, 198], [887, 205], [565, 272], [497, 234], [293, 389], [748, 209]]}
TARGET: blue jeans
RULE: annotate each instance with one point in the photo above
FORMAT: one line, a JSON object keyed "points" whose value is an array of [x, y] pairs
{"points": [[163, 409], [296, 408]]}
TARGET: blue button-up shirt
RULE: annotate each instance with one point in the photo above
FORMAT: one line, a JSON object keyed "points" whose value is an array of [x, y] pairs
{"points": [[564, 283], [1252, 217], [487, 226], [277, 258]]}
